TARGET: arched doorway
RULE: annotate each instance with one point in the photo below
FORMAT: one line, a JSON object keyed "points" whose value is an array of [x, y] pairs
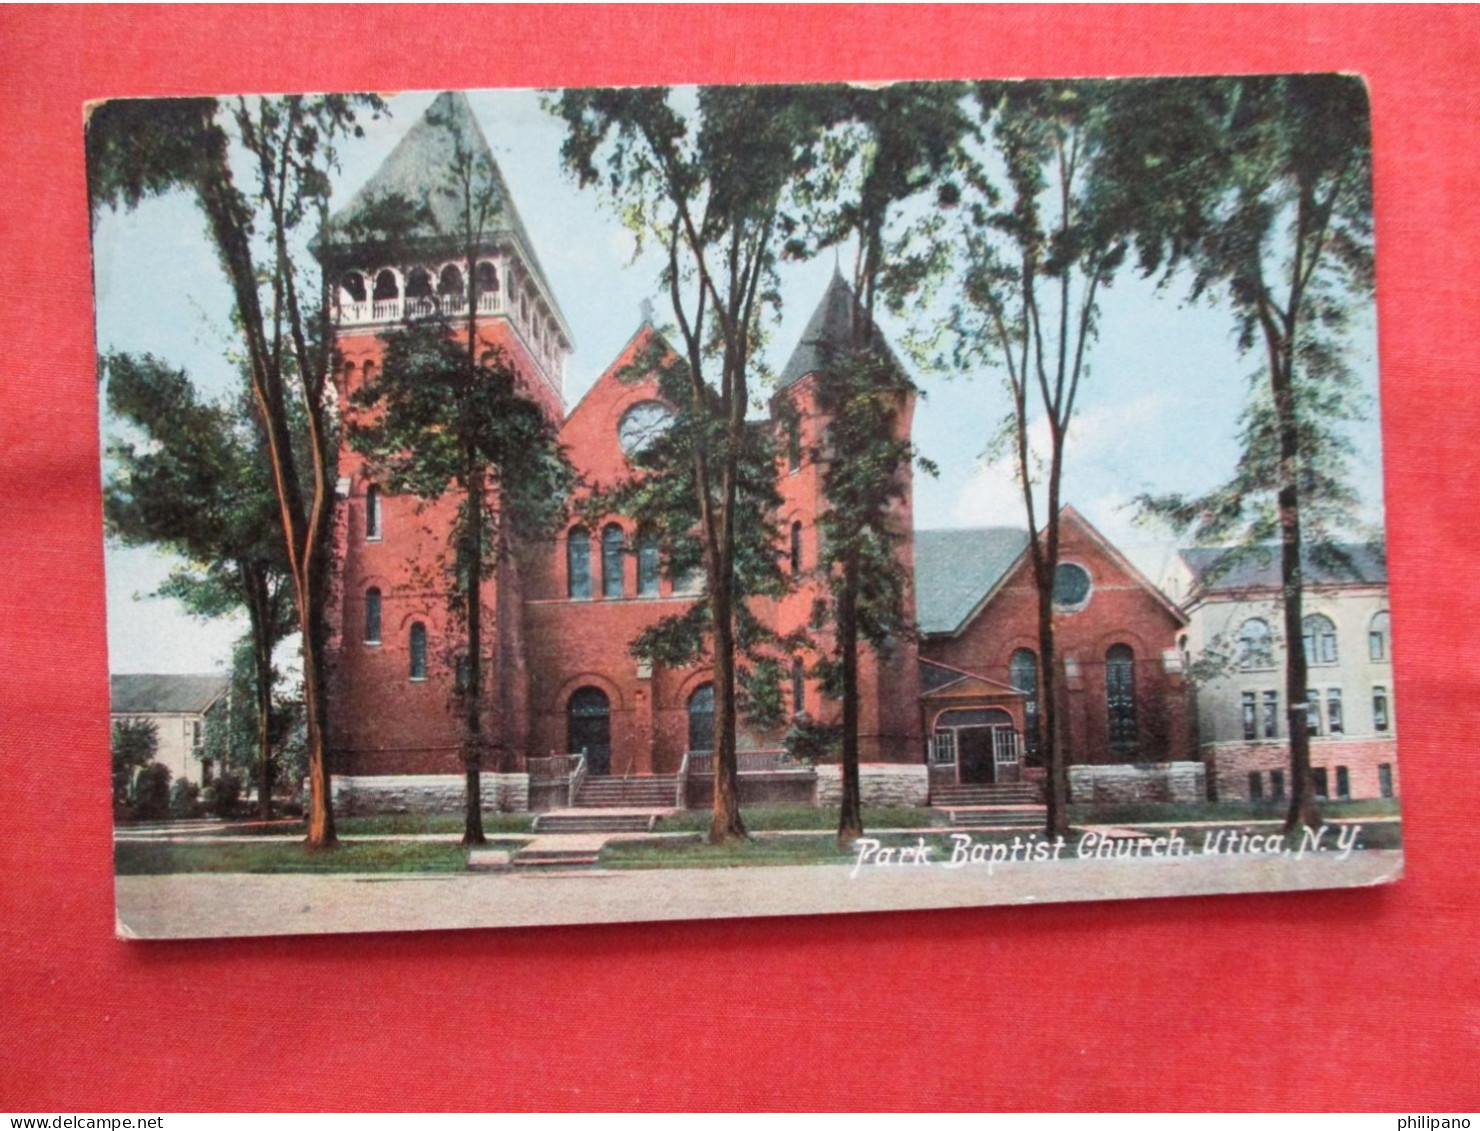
{"points": [[986, 746], [701, 718], [588, 729]]}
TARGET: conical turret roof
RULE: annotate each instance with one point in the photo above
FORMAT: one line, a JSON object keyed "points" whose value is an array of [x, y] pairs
{"points": [[829, 333], [418, 170]]}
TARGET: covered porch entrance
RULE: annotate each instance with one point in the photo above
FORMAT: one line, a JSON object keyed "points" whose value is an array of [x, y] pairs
{"points": [[976, 746]]}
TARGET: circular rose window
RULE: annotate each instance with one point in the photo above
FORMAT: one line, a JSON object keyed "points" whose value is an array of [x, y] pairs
{"points": [[1071, 586]]}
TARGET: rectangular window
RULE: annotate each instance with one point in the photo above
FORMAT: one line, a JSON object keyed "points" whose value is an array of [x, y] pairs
{"points": [[1271, 714], [1385, 779], [1333, 711], [798, 687], [1379, 710], [1277, 784], [1313, 713], [1318, 782], [1251, 721], [1343, 784], [1256, 786]]}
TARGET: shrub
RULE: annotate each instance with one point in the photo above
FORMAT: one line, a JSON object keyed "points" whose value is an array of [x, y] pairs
{"points": [[185, 799], [223, 795], [812, 742], [152, 793]]}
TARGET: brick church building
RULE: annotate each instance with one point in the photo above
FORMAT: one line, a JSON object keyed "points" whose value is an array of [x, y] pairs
{"points": [[957, 704]]}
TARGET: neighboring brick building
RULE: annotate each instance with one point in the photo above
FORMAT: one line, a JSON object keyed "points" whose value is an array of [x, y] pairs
{"points": [[1121, 689], [180, 707], [1235, 633], [562, 614]]}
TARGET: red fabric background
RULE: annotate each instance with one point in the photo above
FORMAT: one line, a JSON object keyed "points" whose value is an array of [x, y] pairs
{"points": [[1317, 1000]]}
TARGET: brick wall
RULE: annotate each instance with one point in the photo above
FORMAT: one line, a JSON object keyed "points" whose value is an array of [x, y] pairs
{"points": [[1231, 763]]}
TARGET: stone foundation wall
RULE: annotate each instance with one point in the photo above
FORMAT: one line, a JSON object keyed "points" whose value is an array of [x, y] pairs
{"points": [[879, 783], [1154, 781], [426, 793], [795, 787]]}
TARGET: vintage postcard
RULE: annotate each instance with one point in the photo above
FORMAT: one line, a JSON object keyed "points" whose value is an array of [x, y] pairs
{"points": [[615, 504]]}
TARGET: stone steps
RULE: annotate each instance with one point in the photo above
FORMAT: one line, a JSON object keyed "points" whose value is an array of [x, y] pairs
{"points": [[616, 793], [556, 858], [954, 796], [598, 820], [1003, 816]]}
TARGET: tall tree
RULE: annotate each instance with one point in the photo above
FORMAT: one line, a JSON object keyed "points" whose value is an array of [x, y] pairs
{"points": [[1261, 188], [435, 421], [885, 147], [135, 742], [288, 146], [706, 180], [199, 488], [1036, 246], [447, 412]]}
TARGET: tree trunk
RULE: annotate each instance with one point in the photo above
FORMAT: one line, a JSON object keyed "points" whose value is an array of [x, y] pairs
{"points": [[850, 811], [726, 824], [1303, 808], [1057, 793], [262, 656], [473, 751]]}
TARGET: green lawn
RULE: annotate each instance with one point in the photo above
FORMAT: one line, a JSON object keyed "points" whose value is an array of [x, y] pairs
{"points": [[765, 818], [134, 858], [1221, 811]]}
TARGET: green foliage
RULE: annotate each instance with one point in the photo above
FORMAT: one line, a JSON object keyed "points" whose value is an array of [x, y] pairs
{"points": [[184, 800], [762, 694], [812, 742], [152, 793], [223, 796], [135, 743]]}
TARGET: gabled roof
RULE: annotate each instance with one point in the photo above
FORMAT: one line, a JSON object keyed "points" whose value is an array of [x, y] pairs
{"points": [[166, 694], [955, 569], [829, 334], [1366, 565], [417, 169]]}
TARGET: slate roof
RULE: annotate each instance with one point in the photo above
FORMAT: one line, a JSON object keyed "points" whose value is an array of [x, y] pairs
{"points": [[1368, 565], [830, 333], [955, 569], [165, 694], [416, 169]]}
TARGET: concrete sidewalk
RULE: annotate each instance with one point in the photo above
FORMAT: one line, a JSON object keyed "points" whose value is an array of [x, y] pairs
{"points": [[215, 905]]}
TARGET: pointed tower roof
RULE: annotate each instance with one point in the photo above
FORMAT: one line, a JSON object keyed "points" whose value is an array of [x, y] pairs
{"points": [[829, 333], [417, 170]]}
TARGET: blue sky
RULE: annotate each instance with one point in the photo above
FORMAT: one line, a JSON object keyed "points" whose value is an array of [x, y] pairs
{"points": [[1158, 412]]}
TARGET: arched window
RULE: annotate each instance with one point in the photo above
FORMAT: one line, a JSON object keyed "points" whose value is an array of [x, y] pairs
{"points": [[1377, 636], [1022, 671], [588, 728], [386, 287], [418, 651], [1120, 698], [486, 277], [450, 284], [1320, 639], [372, 512], [701, 718], [353, 285], [372, 616], [1255, 645], [419, 283], [798, 686], [578, 564], [647, 564], [613, 562], [796, 548]]}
